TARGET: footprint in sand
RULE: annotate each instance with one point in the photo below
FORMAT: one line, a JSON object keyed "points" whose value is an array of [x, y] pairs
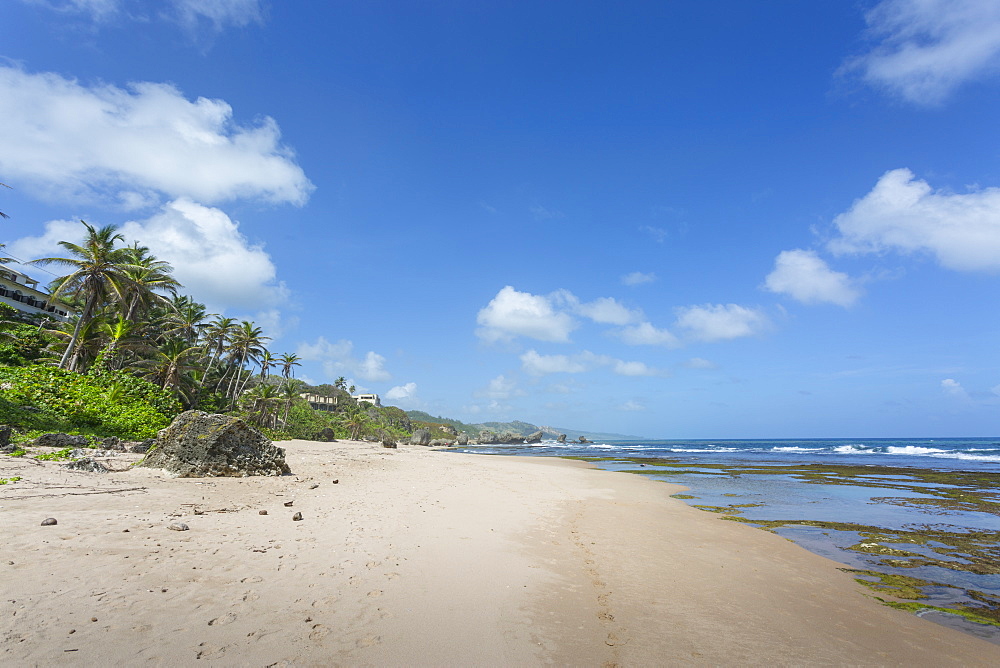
{"points": [[210, 652], [318, 632], [372, 564], [227, 618], [375, 593], [250, 596], [369, 640], [324, 602]]}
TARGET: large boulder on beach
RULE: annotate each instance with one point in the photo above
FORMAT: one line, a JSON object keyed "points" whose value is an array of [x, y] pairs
{"points": [[535, 437], [420, 437], [326, 434], [60, 440], [201, 445], [463, 438]]}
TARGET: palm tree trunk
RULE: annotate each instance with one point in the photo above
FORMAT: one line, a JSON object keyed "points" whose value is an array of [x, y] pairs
{"points": [[76, 332]]}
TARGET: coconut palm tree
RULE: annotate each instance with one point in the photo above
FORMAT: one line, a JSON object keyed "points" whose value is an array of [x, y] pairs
{"points": [[185, 318], [246, 345], [267, 362], [148, 281], [99, 273], [287, 361], [170, 366]]}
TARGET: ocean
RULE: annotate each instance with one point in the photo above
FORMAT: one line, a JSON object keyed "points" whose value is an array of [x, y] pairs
{"points": [[915, 520]]}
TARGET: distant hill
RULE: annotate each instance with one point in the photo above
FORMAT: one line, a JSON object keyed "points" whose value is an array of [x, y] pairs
{"points": [[518, 427]]}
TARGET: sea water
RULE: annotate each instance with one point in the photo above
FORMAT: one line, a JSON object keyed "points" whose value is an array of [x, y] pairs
{"points": [[821, 492]]}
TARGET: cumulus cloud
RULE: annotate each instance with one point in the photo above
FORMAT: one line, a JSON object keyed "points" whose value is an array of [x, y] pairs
{"points": [[904, 214], [536, 364], [338, 360], [500, 387], [926, 48], [402, 392], [212, 259], [539, 365], [623, 368], [603, 310], [719, 322], [512, 313], [638, 278], [130, 146], [952, 387], [645, 334], [806, 277]]}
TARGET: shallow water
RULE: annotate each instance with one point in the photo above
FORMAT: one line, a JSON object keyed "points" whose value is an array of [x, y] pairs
{"points": [[881, 505]]}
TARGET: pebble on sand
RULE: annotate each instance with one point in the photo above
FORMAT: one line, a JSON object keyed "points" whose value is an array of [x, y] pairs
{"points": [[49, 521], [178, 526], [262, 512], [296, 517]]}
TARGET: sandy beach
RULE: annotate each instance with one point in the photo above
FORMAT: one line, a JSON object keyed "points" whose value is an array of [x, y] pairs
{"points": [[414, 557]]}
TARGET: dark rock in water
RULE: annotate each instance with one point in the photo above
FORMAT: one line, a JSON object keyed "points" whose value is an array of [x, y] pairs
{"points": [[389, 444], [562, 438], [583, 439], [61, 441], [327, 435], [49, 521], [297, 517], [87, 464], [420, 437], [198, 444], [142, 447], [535, 437], [4, 435], [178, 526]]}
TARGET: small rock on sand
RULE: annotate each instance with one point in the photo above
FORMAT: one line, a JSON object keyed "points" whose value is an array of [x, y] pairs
{"points": [[178, 526], [49, 521], [297, 517], [288, 504], [262, 512]]}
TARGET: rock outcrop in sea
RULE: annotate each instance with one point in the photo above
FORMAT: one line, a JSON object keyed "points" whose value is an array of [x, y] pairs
{"points": [[199, 444]]}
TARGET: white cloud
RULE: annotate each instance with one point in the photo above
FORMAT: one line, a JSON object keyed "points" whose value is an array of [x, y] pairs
{"points": [[804, 276], [927, 48], [512, 313], [699, 363], [635, 369], [658, 234], [402, 392], [219, 13], [718, 322], [902, 213], [542, 213], [212, 259], [338, 360], [189, 13], [539, 365], [128, 146], [631, 405], [500, 387], [607, 311], [952, 387], [645, 334], [638, 278]]}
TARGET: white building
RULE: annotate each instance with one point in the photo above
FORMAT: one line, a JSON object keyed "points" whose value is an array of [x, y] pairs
{"points": [[21, 292], [370, 398]]}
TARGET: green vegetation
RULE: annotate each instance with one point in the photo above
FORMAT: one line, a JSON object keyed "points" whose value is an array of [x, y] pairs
{"points": [[137, 352], [56, 456], [5, 481]]}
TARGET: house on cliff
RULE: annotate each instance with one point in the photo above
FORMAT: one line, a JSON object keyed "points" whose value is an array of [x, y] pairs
{"points": [[20, 291]]}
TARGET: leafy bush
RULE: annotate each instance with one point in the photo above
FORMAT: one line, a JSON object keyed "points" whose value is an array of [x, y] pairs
{"points": [[109, 403]]}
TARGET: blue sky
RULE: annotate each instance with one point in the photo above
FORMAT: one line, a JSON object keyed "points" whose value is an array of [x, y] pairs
{"points": [[720, 219]]}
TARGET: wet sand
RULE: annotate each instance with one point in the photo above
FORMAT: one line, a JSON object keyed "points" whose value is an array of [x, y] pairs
{"points": [[421, 558]]}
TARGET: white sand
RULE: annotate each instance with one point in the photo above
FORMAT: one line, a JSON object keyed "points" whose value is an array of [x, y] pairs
{"points": [[421, 558]]}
